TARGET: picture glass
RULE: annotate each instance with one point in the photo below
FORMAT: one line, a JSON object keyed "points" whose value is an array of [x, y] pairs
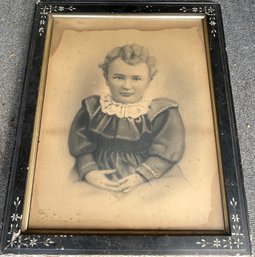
{"points": [[127, 138]]}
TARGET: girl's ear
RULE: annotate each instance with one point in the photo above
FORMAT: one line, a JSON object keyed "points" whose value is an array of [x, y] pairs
{"points": [[149, 82], [106, 79]]}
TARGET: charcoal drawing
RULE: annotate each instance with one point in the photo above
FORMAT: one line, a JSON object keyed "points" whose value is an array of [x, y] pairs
{"points": [[127, 136], [123, 139]]}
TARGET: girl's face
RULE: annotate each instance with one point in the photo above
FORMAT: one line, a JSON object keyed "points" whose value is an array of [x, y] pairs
{"points": [[127, 83]]}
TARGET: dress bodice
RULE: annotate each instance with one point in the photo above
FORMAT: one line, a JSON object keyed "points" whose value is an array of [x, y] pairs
{"points": [[125, 143]]}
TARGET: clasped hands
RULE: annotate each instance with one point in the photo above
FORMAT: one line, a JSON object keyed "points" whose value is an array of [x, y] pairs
{"points": [[99, 179]]}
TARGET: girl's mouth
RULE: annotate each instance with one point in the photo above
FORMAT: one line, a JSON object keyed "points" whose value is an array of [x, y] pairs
{"points": [[126, 94]]}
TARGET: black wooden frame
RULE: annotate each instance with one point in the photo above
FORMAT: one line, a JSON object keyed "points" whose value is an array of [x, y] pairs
{"points": [[232, 243]]}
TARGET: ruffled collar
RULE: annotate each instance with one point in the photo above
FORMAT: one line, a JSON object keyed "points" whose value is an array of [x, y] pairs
{"points": [[133, 111]]}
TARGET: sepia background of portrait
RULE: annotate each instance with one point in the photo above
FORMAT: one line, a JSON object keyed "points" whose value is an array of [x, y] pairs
{"points": [[78, 45]]}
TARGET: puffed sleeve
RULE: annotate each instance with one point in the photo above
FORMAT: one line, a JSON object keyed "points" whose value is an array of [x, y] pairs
{"points": [[167, 147], [80, 147]]}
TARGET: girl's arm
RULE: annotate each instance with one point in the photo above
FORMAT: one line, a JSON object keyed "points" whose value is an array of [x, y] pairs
{"points": [[80, 147], [168, 145]]}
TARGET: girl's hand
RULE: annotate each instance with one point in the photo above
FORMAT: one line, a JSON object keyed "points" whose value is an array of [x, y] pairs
{"points": [[97, 178], [129, 182]]}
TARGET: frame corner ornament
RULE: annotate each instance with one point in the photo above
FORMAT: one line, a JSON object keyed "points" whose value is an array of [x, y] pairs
{"points": [[16, 239], [210, 12], [45, 10], [235, 241]]}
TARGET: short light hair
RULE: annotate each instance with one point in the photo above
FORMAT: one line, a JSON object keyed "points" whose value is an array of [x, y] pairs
{"points": [[131, 54]]}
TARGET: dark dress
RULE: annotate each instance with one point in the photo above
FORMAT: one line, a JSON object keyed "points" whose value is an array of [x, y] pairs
{"points": [[149, 145]]}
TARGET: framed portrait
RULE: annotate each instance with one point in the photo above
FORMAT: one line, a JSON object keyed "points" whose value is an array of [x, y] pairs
{"points": [[126, 141]]}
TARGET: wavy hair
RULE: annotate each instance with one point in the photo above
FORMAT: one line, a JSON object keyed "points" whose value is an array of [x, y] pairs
{"points": [[131, 54]]}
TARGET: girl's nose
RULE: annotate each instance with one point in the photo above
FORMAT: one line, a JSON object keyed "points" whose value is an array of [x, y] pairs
{"points": [[127, 84]]}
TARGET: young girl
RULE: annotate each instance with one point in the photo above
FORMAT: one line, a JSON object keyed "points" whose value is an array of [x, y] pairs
{"points": [[122, 140]]}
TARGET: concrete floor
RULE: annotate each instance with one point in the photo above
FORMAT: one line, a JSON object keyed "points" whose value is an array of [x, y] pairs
{"points": [[239, 25]]}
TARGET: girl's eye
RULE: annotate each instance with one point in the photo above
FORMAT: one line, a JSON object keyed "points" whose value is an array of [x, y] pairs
{"points": [[118, 77], [136, 79]]}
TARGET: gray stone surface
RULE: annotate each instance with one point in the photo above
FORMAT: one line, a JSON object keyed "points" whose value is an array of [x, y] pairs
{"points": [[15, 26], [239, 26]]}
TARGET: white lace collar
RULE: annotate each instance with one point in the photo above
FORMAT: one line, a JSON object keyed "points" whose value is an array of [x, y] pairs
{"points": [[134, 110]]}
